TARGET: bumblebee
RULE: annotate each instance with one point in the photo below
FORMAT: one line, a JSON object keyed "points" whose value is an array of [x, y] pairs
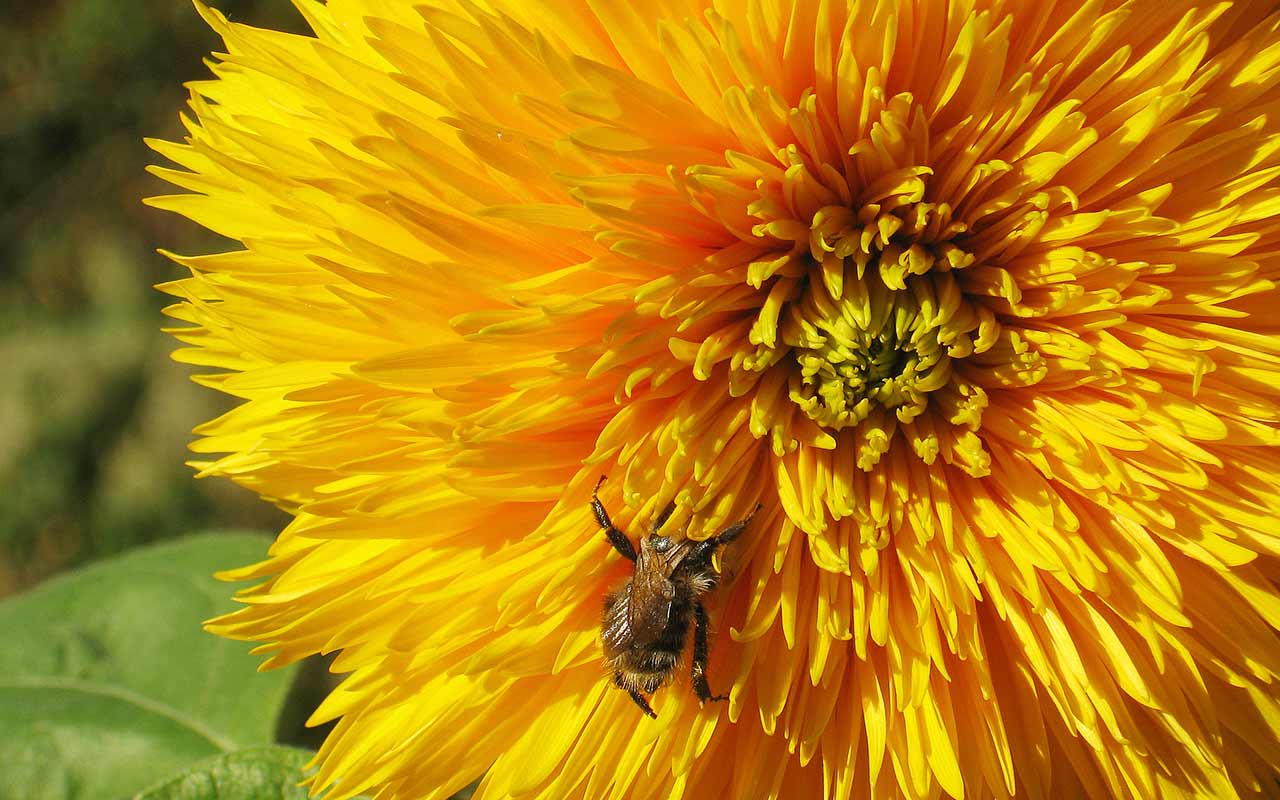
{"points": [[646, 623]]}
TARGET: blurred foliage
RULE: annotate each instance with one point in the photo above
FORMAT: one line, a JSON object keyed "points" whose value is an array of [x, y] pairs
{"points": [[94, 417], [108, 685], [263, 773]]}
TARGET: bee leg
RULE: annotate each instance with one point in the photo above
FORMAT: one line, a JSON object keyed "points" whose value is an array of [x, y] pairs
{"points": [[700, 687], [704, 549], [636, 696], [617, 538], [735, 530]]}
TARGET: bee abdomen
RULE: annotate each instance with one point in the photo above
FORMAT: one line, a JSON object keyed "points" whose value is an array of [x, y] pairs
{"points": [[643, 680], [658, 660]]}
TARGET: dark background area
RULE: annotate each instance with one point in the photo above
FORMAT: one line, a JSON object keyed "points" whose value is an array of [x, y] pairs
{"points": [[94, 417]]}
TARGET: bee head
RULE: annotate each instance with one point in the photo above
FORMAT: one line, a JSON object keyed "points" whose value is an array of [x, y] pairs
{"points": [[660, 544]]}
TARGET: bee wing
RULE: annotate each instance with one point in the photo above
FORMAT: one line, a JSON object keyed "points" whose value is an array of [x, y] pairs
{"points": [[651, 592], [616, 630]]}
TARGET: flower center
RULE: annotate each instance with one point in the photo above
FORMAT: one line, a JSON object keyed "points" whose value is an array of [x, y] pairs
{"points": [[872, 346], [865, 324], [859, 331]]}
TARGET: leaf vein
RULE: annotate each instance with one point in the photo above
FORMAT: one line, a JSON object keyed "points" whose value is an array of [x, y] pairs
{"points": [[190, 723]]}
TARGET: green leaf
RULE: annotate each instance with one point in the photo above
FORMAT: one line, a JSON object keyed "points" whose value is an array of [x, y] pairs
{"points": [[259, 773], [108, 683]]}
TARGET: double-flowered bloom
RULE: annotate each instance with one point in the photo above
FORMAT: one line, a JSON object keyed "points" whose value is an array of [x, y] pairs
{"points": [[974, 298]]}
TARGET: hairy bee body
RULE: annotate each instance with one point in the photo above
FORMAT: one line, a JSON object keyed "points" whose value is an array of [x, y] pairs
{"points": [[644, 665], [646, 623]]}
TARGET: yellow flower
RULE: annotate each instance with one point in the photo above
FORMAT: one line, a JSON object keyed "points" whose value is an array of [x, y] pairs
{"points": [[975, 298]]}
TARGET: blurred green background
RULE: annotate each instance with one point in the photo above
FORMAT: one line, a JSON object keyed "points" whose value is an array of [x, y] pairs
{"points": [[94, 417], [94, 424]]}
